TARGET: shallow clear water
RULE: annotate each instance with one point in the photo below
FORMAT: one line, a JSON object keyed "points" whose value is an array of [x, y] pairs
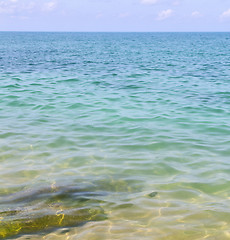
{"points": [[133, 129]]}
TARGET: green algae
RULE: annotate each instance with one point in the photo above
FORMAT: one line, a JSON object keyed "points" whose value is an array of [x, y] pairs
{"points": [[10, 228], [44, 209]]}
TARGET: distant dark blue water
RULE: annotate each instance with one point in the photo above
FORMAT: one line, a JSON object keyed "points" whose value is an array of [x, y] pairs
{"points": [[115, 135]]}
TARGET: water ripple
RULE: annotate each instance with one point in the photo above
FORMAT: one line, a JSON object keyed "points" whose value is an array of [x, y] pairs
{"points": [[130, 131]]}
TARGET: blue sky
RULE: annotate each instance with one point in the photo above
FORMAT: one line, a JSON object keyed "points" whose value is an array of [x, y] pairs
{"points": [[115, 15]]}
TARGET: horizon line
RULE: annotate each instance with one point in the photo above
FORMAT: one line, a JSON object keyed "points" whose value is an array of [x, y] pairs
{"points": [[52, 31]]}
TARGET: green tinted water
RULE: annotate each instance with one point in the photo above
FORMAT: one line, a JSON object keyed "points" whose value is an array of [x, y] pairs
{"points": [[114, 136]]}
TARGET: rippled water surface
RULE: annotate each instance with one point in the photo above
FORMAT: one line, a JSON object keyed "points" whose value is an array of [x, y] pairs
{"points": [[115, 136]]}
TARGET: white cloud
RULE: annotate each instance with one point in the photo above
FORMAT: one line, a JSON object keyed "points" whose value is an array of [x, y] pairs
{"points": [[225, 14], [20, 17], [15, 6], [7, 7], [124, 15], [49, 6], [196, 14], [23, 8], [164, 14], [99, 15], [149, 1], [176, 3]]}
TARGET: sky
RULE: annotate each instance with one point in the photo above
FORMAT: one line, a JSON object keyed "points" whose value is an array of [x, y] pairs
{"points": [[115, 15]]}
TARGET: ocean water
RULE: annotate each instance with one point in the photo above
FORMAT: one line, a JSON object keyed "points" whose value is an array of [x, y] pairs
{"points": [[115, 136]]}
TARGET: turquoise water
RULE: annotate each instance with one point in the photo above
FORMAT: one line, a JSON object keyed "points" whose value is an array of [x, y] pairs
{"points": [[115, 136]]}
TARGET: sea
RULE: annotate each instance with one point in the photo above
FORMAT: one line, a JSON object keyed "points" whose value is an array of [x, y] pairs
{"points": [[109, 136]]}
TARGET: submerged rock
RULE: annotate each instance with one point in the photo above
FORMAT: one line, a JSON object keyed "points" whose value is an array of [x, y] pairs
{"points": [[153, 194], [10, 227], [49, 208]]}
